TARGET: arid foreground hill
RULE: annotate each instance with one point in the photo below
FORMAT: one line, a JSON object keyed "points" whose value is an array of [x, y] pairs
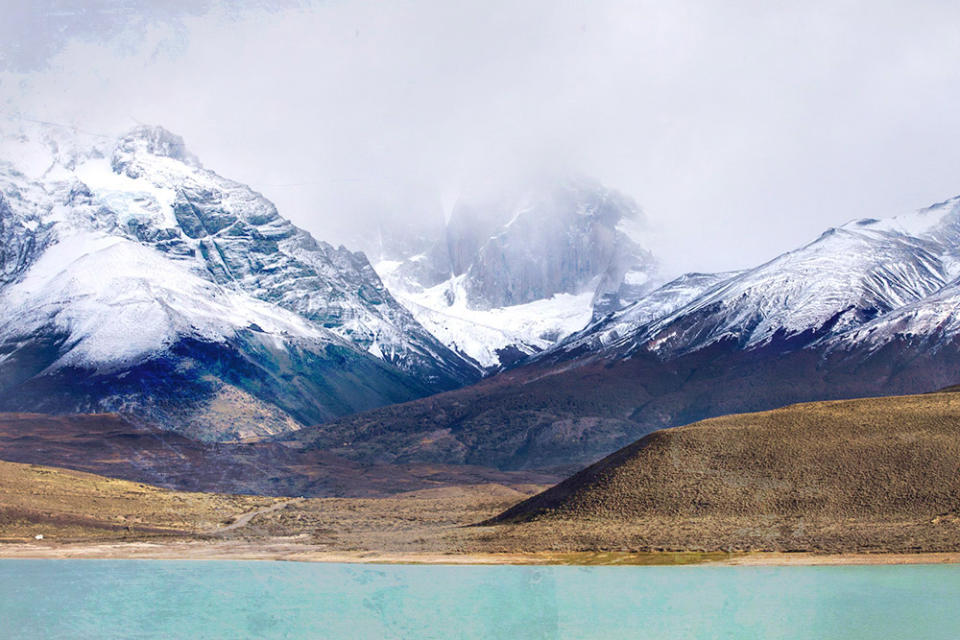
{"points": [[877, 474], [872, 475]]}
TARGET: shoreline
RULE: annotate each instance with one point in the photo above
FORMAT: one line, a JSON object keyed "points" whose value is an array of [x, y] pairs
{"points": [[287, 552]]}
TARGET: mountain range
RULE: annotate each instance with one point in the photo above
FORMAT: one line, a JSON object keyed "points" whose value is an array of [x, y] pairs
{"points": [[868, 308], [533, 331]]}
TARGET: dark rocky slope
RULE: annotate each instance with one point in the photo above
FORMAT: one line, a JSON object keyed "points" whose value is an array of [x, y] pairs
{"points": [[568, 415], [108, 445]]}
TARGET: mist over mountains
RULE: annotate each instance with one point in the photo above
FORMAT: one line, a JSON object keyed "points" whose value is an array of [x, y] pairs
{"points": [[514, 272], [868, 308], [530, 330]]}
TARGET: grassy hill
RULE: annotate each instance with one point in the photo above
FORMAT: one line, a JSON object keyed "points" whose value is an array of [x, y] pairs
{"points": [[870, 475], [877, 474], [63, 504], [70, 508]]}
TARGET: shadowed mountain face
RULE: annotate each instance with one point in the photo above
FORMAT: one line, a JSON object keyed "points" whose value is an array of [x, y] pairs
{"points": [[873, 474], [109, 445], [561, 417], [135, 280]]}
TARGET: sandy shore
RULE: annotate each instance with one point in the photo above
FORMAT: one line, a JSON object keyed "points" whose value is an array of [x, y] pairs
{"points": [[281, 551]]}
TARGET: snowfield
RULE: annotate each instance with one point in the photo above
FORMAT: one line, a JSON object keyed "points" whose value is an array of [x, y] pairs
{"points": [[483, 334], [121, 302]]}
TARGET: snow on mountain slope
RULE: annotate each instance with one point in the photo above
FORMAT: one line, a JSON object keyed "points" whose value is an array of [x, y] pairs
{"points": [[119, 302], [524, 268], [151, 189], [657, 304], [841, 282], [931, 323], [114, 256], [499, 336]]}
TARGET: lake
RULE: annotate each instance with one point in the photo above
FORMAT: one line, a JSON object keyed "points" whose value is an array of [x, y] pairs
{"points": [[214, 599]]}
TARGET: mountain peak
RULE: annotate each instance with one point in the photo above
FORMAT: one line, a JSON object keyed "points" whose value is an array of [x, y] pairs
{"points": [[139, 267], [149, 140]]}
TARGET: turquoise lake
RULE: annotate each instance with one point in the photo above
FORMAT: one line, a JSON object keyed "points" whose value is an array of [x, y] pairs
{"points": [[212, 599]]}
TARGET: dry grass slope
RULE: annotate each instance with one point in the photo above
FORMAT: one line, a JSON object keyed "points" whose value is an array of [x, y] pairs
{"points": [[62, 504], [865, 476], [879, 474]]}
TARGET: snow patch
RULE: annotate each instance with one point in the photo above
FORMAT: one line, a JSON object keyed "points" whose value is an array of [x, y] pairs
{"points": [[636, 278], [916, 223], [480, 334], [120, 301], [129, 197]]}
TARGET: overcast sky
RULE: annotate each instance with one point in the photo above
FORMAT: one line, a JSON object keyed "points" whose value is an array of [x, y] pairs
{"points": [[743, 129]]}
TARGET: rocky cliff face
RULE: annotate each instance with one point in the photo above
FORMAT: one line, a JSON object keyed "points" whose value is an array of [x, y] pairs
{"points": [[125, 260], [564, 240], [561, 241], [564, 236]]}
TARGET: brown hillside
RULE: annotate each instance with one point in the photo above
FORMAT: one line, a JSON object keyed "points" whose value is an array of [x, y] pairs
{"points": [[877, 473], [109, 445], [61, 504]]}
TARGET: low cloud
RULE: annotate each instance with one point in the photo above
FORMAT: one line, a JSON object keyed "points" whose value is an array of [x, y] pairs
{"points": [[743, 129]]}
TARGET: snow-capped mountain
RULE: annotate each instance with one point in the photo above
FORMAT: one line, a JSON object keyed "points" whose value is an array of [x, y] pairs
{"points": [[657, 304], [846, 281], [494, 337], [515, 273], [127, 269]]}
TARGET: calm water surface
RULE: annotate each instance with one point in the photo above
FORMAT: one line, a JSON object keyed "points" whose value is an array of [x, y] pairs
{"points": [[190, 599]]}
